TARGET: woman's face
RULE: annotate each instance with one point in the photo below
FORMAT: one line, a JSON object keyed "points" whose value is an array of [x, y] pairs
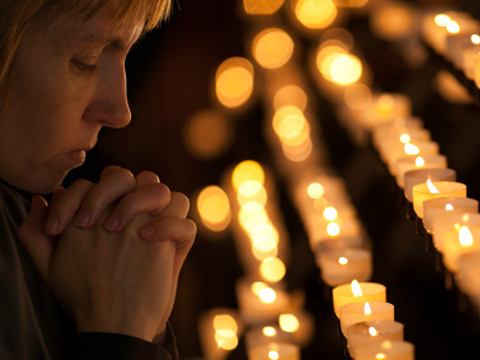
{"points": [[69, 82]]}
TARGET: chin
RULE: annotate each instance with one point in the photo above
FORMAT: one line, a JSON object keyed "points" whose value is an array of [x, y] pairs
{"points": [[40, 185]]}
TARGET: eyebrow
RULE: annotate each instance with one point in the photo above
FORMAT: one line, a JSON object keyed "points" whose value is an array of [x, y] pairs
{"points": [[107, 39]]}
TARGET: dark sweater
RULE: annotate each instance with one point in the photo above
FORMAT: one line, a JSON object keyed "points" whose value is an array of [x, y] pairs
{"points": [[32, 324]]}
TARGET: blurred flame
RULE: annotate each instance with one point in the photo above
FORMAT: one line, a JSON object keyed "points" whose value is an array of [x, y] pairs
{"points": [[315, 190], [442, 20], [411, 149], [288, 322], [273, 355], [432, 188], [272, 48], [453, 27], [405, 138], [330, 213], [449, 207], [272, 269], [315, 14], [214, 208], [465, 236], [245, 171], [419, 162], [333, 229], [342, 260], [269, 331], [475, 39], [367, 310], [380, 356], [262, 7], [356, 289], [372, 331], [234, 82]]}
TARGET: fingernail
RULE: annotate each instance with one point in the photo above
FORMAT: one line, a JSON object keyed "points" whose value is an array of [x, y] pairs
{"points": [[51, 226], [82, 219], [112, 222], [147, 232]]}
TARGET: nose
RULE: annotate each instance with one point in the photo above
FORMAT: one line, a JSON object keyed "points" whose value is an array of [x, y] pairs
{"points": [[110, 105]]}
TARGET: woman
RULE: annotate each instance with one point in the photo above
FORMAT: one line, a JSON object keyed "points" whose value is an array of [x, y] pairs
{"points": [[93, 274]]}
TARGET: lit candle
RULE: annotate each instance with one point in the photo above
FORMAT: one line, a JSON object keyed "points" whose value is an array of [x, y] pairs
{"points": [[384, 133], [385, 350], [357, 292], [470, 55], [341, 266], [432, 190], [373, 331], [414, 148], [468, 274], [409, 163], [456, 43], [259, 302], [383, 109], [435, 208], [365, 311], [274, 351], [259, 335], [419, 176]]}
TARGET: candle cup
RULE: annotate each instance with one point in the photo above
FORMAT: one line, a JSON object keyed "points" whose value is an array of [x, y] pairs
{"points": [[420, 176], [396, 127], [456, 234], [341, 266], [470, 55], [342, 242], [467, 276], [356, 312], [398, 139], [423, 147], [456, 43], [274, 350], [343, 294], [413, 162], [447, 205], [391, 350], [383, 109], [262, 335], [368, 332], [421, 193]]}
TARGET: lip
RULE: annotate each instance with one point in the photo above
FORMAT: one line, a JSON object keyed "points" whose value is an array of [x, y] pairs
{"points": [[77, 156]]}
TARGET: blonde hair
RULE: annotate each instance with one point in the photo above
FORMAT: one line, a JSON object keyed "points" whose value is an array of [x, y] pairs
{"points": [[18, 16]]}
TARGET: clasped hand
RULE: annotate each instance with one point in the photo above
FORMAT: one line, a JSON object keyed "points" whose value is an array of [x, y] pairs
{"points": [[112, 252]]}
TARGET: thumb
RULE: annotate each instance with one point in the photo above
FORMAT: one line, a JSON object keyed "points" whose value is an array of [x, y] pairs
{"points": [[32, 234]]}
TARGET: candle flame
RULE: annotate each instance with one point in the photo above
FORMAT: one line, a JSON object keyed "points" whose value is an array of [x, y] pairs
{"points": [[380, 356], [453, 27], [367, 310], [449, 207], [465, 236], [273, 355], [315, 190], [411, 149], [419, 162], [432, 188], [267, 295], [372, 331], [442, 20], [356, 289], [330, 213], [333, 229], [475, 39], [342, 260], [269, 331], [405, 138]]}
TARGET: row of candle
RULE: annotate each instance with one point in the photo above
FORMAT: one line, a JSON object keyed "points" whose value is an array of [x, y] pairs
{"points": [[455, 35]]}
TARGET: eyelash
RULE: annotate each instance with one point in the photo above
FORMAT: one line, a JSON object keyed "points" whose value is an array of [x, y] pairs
{"points": [[85, 67]]}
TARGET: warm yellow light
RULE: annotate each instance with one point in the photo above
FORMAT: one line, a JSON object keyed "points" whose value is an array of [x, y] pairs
{"points": [[246, 193], [288, 322], [272, 269], [262, 7], [261, 254], [442, 20], [419, 162], [225, 322], [449, 207], [405, 138], [251, 220], [267, 295], [475, 39], [272, 48], [356, 288], [226, 339], [214, 208], [357, 96], [380, 356], [372, 331], [385, 104], [250, 188], [342, 69], [234, 82], [342, 260], [315, 14], [245, 171], [300, 152], [269, 331], [453, 27], [465, 236], [290, 95], [432, 187], [273, 355], [411, 149], [393, 21], [299, 139], [367, 310], [288, 122], [333, 229], [315, 190], [330, 213], [258, 286], [264, 237]]}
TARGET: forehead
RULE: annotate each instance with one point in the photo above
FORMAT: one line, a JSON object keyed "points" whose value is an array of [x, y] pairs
{"points": [[100, 29]]}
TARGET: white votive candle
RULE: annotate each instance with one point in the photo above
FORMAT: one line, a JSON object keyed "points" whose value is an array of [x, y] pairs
{"points": [[433, 190], [416, 162], [357, 292], [276, 350], [388, 350], [368, 332], [436, 208], [365, 311], [420, 176]]}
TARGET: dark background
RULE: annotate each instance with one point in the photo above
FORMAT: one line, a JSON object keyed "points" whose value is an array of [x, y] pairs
{"points": [[170, 78]]}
